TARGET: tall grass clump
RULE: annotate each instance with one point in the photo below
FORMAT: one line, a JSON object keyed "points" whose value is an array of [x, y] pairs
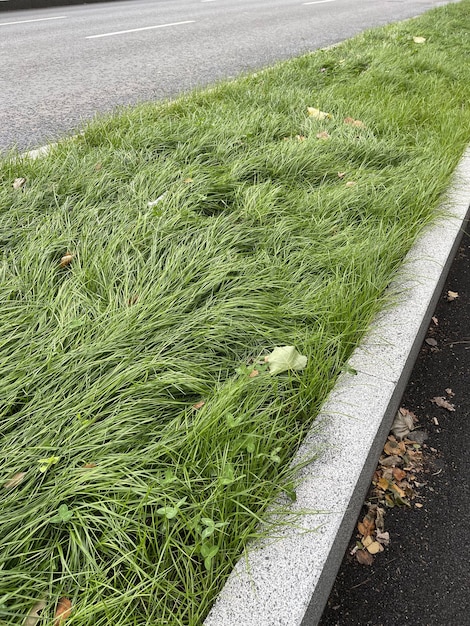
{"points": [[148, 266]]}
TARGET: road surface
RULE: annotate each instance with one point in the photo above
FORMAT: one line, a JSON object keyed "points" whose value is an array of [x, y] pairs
{"points": [[61, 65]]}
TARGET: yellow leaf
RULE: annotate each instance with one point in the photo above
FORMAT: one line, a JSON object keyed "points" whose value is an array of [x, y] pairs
{"points": [[419, 39], [374, 547], [66, 259], [351, 183], [317, 114]]}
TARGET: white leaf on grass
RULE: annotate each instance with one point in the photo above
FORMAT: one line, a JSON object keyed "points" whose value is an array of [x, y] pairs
{"points": [[34, 615], [18, 183], [155, 202], [419, 39], [285, 358]]}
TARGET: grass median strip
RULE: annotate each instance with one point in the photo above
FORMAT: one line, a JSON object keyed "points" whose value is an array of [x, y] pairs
{"points": [[149, 268]]}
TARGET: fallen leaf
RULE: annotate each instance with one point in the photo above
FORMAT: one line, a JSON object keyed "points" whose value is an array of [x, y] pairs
{"points": [[352, 122], [14, 481], [98, 166], [323, 135], [285, 358], [398, 490], [419, 39], [383, 538], [253, 373], [63, 611], [66, 259], [341, 174], [403, 423], [33, 616], [351, 183], [379, 520], [431, 341], [452, 295], [188, 180], [418, 505], [435, 320], [317, 114], [398, 474], [366, 542], [390, 461], [199, 405], [443, 403], [89, 465], [375, 547], [449, 392], [18, 183], [395, 448], [383, 484], [300, 138], [364, 557]]}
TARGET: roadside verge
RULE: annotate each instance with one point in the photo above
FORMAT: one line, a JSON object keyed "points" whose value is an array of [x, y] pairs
{"points": [[287, 581]]}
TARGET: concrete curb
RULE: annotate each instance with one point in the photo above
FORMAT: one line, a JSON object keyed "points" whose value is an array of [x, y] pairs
{"points": [[287, 581]]}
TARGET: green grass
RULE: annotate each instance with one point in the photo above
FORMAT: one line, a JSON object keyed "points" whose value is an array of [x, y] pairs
{"points": [[256, 243]]}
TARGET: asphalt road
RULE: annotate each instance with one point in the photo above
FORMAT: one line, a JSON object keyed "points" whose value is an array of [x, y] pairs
{"points": [[60, 66]]}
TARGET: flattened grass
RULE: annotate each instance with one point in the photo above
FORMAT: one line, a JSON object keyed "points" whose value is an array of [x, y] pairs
{"points": [[204, 233]]}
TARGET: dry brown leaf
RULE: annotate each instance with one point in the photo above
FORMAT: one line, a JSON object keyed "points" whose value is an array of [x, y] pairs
{"points": [[398, 474], [352, 122], [199, 405], [391, 461], [435, 320], [449, 392], [14, 481], [443, 403], [89, 465], [418, 505], [341, 174], [379, 520], [403, 423], [63, 611], [364, 557], [351, 183], [253, 373], [375, 547], [383, 484], [383, 538], [398, 490], [323, 135], [98, 166], [393, 447], [431, 341], [452, 295], [66, 259], [18, 183], [33, 616], [367, 541]]}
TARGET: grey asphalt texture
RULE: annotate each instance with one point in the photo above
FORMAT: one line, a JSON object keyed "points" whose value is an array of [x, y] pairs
{"points": [[423, 577], [53, 79]]}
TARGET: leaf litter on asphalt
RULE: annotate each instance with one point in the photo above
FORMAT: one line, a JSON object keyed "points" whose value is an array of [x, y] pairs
{"points": [[393, 484]]}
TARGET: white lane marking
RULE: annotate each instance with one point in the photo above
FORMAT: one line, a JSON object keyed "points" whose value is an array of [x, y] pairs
{"points": [[41, 19], [318, 2], [135, 30]]}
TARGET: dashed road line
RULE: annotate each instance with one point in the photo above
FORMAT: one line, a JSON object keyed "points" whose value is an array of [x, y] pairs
{"points": [[39, 19], [136, 30], [318, 2]]}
